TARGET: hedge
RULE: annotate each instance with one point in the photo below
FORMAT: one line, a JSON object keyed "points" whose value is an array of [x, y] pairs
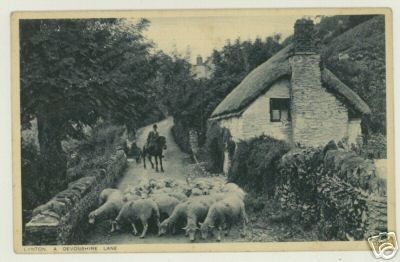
{"points": [[254, 164], [331, 188]]}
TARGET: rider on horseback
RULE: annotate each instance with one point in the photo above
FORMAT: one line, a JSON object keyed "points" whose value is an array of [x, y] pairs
{"points": [[152, 137]]}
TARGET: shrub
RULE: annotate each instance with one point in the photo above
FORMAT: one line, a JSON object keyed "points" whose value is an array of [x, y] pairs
{"points": [[94, 151], [181, 136], [351, 169], [328, 187], [254, 164], [217, 138], [343, 209], [299, 172], [374, 147], [32, 178]]}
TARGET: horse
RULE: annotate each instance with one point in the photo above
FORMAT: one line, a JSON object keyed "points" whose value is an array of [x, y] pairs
{"points": [[155, 150], [132, 151]]}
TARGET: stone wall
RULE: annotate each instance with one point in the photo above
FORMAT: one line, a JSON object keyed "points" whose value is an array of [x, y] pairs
{"points": [[317, 116], [63, 220], [377, 215], [194, 143]]}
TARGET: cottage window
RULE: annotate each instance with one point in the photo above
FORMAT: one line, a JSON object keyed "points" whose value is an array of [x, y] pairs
{"points": [[279, 109]]}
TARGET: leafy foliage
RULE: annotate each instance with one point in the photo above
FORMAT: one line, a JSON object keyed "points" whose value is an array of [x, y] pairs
{"points": [[90, 153], [77, 71], [330, 188], [218, 139], [255, 164]]}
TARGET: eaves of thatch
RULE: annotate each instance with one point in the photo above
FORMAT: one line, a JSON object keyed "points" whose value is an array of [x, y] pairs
{"points": [[258, 82]]}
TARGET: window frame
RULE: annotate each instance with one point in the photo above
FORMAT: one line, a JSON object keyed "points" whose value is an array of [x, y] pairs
{"points": [[279, 104]]}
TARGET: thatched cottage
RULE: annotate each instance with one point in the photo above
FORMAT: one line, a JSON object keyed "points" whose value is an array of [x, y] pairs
{"points": [[292, 97]]}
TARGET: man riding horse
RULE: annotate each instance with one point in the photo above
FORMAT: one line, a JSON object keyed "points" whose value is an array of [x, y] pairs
{"points": [[152, 138], [154, 147]]}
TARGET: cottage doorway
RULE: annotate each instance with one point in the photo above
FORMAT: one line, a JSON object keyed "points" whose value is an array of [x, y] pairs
{"points": [[217, 155]]}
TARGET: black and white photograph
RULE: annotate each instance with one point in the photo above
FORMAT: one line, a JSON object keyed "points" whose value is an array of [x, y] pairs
{"points": [[203, 130]]}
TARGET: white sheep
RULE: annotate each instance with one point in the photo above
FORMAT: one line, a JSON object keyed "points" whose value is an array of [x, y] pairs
{"points": [[165, 203], [196, 212], [196, 192], [110, 202], [178, 195], [224, 213], [179, 213], [235, 189], [132, 197], [142, 210], [143, 185]]}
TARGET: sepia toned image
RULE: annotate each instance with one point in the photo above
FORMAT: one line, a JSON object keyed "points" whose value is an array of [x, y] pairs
{"points": [[203, 130]]}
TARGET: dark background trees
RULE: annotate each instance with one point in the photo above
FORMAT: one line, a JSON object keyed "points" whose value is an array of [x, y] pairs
{"points": [[77, 71]]}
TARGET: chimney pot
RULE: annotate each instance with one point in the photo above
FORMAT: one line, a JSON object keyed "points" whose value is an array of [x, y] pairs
{"points": [[199, 60], [304, 36]]}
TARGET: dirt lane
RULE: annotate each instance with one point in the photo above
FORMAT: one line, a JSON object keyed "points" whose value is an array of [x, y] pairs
{"points": [[174, 165], [174, 161]]}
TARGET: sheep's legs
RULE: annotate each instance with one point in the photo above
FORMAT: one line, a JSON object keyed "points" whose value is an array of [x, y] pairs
{"points": [[134, 230], [112, 227], [219, 234], [245, 221], [228, 229], [158, 226], [145, 226]]}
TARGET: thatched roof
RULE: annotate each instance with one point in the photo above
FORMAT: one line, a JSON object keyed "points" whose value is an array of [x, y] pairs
{"points": [[258, 81], [335, 86]]}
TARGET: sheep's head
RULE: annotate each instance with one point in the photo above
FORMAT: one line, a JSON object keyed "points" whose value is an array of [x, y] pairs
{"points": [[164, 227], [196, 192], [205, 229], [191, 231], [92, 217]]}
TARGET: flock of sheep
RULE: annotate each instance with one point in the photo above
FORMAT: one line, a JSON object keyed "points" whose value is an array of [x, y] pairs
{"points": [[200, 204]]}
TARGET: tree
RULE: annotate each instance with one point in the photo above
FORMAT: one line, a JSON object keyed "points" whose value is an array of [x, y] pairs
{"points": [[74, 72], [231, 65]]}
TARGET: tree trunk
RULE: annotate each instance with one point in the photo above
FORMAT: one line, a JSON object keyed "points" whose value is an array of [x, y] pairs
{"points": [[54, 159]]}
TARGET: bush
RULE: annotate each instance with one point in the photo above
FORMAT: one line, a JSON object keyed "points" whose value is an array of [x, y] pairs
{"points": [[32, 179], [299, 172], [94, 151], [374, 147], [91, 153], [343, 210], [181, 136], [217, 138], [328, 187], [254, 164], [351, 169]]}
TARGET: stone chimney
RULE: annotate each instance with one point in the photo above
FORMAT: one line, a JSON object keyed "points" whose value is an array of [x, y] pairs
{"points": [[304, 39], [199, 60], [308, 108]]}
